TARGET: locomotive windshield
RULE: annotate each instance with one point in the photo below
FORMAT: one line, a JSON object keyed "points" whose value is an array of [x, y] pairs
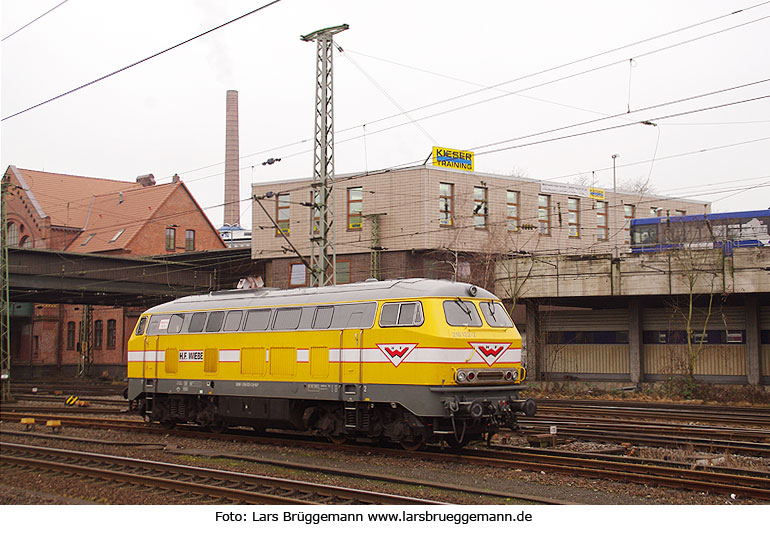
{"points": [[496, 315], [461, 313]]}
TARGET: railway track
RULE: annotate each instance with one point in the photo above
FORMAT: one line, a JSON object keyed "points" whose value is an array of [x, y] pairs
{"points": [[239, 488], [592, 465], [759, 417], [750, 442]]}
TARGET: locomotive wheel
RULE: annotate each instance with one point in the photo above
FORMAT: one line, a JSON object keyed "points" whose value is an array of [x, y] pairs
{"points": [[338, 439], [217, 427], [414, 444]]}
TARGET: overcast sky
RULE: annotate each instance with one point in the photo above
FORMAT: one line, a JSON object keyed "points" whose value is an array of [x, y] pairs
{"points": [[167, 115]]}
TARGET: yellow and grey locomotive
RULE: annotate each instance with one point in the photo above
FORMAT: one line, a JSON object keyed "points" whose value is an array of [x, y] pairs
{"points": [[410, 361]]}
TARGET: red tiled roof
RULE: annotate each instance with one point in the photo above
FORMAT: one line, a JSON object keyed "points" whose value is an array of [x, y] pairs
{"points": [[115, 218], [67, 198]]}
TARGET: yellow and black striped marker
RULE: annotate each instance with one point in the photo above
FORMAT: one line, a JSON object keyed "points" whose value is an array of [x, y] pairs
{"points": [[71, 400]]}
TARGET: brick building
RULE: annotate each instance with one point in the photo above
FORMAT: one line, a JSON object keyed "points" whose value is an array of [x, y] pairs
{"points": [[100, 216], [443, 223]]}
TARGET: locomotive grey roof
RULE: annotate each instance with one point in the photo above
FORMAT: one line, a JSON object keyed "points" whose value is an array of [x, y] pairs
{"points": [[360, 291]]}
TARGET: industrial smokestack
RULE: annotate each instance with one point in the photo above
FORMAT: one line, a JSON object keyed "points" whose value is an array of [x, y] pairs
{"points": [[232, 175]]}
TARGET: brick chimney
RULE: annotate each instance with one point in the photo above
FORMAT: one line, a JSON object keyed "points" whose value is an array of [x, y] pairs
{"points": [[146, 180], [232, 176]]}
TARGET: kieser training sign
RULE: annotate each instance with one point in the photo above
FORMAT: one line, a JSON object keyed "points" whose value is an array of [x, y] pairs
{"points": [[453, 159], [571, 189]]}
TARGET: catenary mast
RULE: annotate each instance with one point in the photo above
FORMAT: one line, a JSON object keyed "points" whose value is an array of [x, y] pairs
{"points": [[323, 256]]}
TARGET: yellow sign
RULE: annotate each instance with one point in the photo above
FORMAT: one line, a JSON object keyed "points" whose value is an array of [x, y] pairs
{"points": [[596, 193], [452, 159]]}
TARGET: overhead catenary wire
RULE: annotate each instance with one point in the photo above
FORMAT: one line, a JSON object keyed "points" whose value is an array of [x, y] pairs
{"points": [[33, 20], [148, 58], [498, 85]]}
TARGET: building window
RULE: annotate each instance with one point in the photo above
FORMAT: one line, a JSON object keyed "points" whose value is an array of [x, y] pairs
{"points": [[629, 211], [573, 216], [656, 212], [36, 345], [111, 333], [297, 274], [480, 209], [282, 214], [98, 332], [512, 210], [446, 200], [544, 214], [189, 240], [25, 242], [170, 238], [342, 269], [355, 207], [681, 213], [12, 237], [71, 335], [601, 220]]}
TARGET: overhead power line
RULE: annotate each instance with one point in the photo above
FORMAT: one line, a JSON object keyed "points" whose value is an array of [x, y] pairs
{"points": [[92, 82], [497, 86], [33, 20]]}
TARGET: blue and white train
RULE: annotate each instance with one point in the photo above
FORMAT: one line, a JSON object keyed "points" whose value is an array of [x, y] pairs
{"points": [[727, 231]]}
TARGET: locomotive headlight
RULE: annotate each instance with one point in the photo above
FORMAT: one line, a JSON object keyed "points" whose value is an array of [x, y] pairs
{"points": [[471, 376], [461, 376], [515, 374]]}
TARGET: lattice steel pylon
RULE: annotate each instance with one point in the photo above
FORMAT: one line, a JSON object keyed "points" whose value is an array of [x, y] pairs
{"points": [[86, 342], [5, 304], [323, 254]]}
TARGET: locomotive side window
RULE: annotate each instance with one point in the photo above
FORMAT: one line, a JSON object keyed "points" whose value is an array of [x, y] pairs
{"points": [[323, 317], [233, 320], [214, 324], [175, 323], [354, 316], [257, 320], [461, 313], [286, 319], [401, 314], [197, 321], [389, 315], [306, 318], [496, 315]]}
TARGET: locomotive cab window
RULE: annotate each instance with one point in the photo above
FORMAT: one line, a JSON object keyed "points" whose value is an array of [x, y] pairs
{"points": [[401, 314], [495, 315], [140, 326], [461, 313]]}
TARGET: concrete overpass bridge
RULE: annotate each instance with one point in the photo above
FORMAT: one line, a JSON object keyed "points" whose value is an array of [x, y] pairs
{"points": [[644, 317]]}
